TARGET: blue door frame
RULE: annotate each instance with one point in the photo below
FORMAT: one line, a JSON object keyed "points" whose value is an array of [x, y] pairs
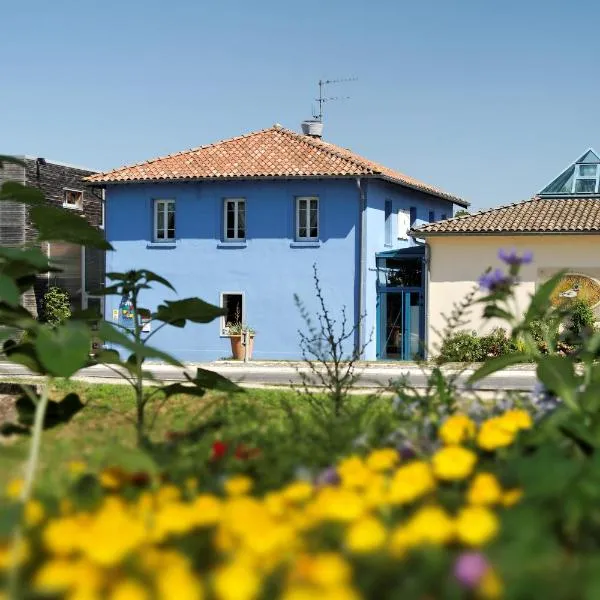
{"points": [[381, 316], [405, 292]]}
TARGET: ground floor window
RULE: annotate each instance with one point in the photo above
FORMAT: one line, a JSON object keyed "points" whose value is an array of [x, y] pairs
{"points": [[233, 303]]}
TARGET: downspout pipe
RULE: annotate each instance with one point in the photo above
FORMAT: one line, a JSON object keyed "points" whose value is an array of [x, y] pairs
{"points": [[362, 288]]}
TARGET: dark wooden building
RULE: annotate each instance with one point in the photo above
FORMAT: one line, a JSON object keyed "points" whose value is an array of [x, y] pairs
{"points": [[62, 185]]}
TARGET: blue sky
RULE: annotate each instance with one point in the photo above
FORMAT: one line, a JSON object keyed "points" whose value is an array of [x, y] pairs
{"points": [[488, 100]]}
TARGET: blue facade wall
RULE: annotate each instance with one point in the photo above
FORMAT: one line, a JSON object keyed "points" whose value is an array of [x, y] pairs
{"points": [[269, 269], [401, 198]]}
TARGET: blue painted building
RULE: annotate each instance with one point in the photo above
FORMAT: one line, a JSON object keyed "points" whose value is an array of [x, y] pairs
{"points": [[240, 223]]}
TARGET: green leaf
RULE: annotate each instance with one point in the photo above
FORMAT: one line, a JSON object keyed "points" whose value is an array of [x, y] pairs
{"points": [[65, 349], [23, 354], [150, 276], [493, 365], [9, 292], [109, 333], [65, 225], [56, 412], [204, 380], [540, 301], [557, 373], [176, 313], [494, 311]]}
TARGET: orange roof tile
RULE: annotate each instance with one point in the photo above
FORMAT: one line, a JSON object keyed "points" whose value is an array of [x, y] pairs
{"points": [[272, 152], [538, 215]]}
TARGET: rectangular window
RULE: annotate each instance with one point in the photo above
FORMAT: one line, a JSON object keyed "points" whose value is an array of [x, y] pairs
{"points": [[413, 214], [388, 222], [444, 216], [432, 216], [164, 220], [233, 303], [234, 219], [73, 199], [307, 218], [586, 179]]}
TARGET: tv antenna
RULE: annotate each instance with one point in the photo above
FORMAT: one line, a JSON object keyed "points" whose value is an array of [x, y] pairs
{"points": [[323, 99]]}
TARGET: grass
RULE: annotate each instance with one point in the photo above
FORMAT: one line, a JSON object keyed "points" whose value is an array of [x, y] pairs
{"points": [[103, 433], [104, 430]]}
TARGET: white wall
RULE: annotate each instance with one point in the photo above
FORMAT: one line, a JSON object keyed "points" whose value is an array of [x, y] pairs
{"points": [[457, 262]]}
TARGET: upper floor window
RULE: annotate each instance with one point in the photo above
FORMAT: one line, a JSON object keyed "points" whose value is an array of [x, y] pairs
{"points": [[164, 220], [307, 218], [413, 214], [586, 179], [404, 223], [73, 199], [234, 219], [388, 222], [432, 216]]}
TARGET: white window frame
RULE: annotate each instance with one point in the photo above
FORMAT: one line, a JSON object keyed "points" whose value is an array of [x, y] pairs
{"points": [[102, 209], [309, 200], [578, 176], [78, 205], [236, 228], [224, 330], [162, 202]]}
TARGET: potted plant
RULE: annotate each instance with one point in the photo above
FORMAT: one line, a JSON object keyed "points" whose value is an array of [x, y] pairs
{"points": [[239, 334]]}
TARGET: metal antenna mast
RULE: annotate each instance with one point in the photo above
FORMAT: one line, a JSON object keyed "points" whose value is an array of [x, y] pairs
{"points": [[322, 99]]}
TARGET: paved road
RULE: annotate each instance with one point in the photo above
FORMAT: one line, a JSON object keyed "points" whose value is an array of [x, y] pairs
{"points": [[372, 376]]}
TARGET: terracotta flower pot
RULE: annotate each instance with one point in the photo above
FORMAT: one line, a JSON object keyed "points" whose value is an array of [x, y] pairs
{"points": [[237, 348]]}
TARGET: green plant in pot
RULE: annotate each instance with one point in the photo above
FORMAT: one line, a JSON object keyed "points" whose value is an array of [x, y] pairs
{"points": [[240, 335]]}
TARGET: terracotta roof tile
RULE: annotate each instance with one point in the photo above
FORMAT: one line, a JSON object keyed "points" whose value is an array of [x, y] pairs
{"points": [[272, 152], [538, 215]]}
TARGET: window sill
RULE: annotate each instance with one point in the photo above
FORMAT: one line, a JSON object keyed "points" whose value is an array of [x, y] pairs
{"points": [[162, 245], [72, 207], [306, 244], [236, 244]]}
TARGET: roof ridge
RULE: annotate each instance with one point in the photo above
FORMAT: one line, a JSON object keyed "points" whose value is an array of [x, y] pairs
{"points": [[328, 147], [195, 149]]}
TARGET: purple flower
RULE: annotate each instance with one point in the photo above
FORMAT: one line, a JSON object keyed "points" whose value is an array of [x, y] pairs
{"points": [[469, 568], [495, 281], [513, 259], [329, 476]]}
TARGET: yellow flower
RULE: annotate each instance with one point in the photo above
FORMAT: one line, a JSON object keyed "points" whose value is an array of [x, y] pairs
{"points": [[326, 569], [382, 460], [453, 462], [62, 574], [484, 489], [77, 467], [457, 429], [366, 535], [430, 525], [297, 492], [353, 472], [238, 485], [410, 482], [306, 592], [511, 497], [236, 581], [206, 510], [337, 504], [176, 580], [129, 589], [517, 419], [191, 485], [476, 525], [490, 586], [34, 513], [494, 433], [14, 488], [8, 554]]}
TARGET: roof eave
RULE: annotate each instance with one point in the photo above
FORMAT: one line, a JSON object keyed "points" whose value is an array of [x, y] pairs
{"points": [[426, 234], [442, 195]]}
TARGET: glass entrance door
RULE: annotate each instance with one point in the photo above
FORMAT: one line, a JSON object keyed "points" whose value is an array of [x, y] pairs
{"points": [[400, 324]]}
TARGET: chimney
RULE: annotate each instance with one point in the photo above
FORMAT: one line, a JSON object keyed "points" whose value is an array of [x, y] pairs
{"points": [[313, 128]]}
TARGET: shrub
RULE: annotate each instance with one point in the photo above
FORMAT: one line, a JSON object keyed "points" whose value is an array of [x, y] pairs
{"points": [[462, 346], [581, 317], [496, 343], [57, 306]]}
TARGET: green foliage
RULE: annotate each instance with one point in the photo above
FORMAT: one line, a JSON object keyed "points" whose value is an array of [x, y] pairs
{"points": [[463, 346], [581, 318], [56, 306]]}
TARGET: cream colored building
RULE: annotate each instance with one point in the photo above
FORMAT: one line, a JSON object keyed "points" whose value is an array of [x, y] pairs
{"points": [[560, 226]]}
